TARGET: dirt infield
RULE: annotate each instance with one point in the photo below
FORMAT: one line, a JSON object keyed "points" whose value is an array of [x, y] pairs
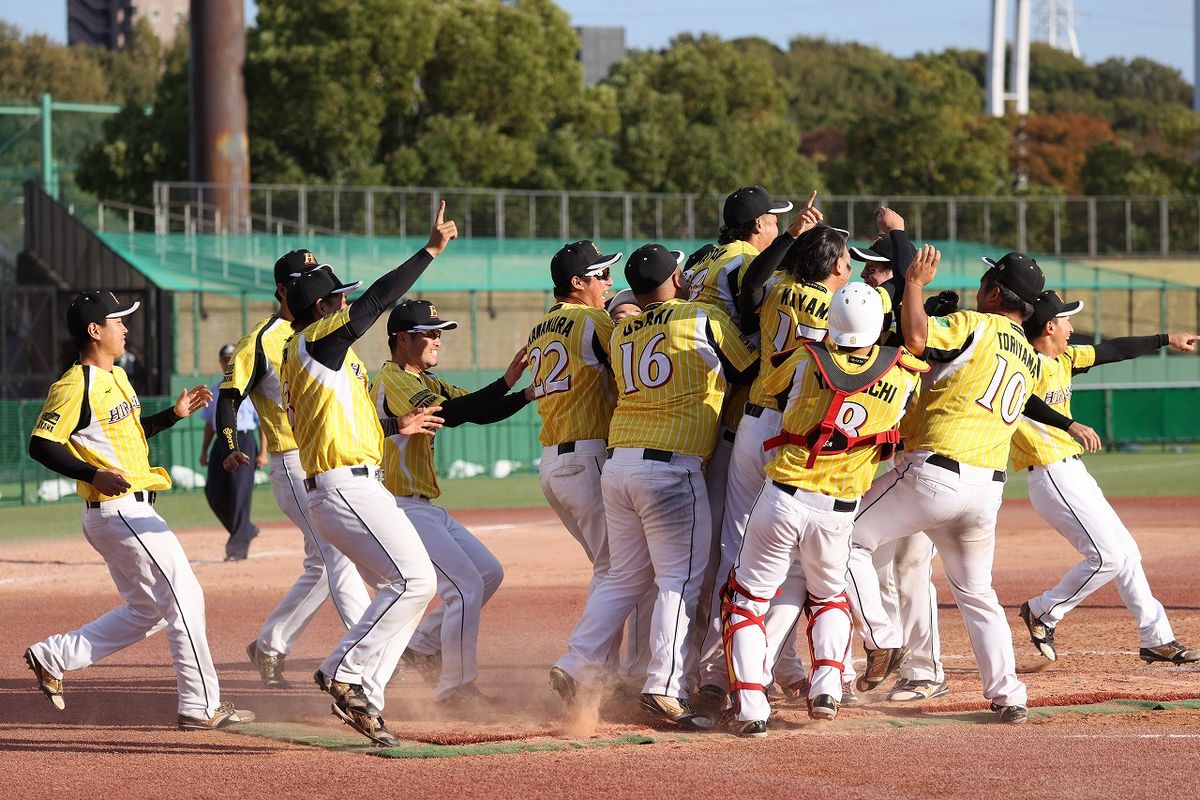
{"points": [[117, 732]]}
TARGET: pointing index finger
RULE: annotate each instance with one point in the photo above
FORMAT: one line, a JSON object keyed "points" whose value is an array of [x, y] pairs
{"points": [[441, 213], [812, 198]]}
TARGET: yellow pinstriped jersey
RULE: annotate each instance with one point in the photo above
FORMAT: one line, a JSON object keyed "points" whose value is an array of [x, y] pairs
{"points": [[97, 415], [254, 370], [331, 412], [408, 460], [1036, 444], [847, 475], [716, 279], [569, 366], [983, 371], [670, 380], [791, 311]]}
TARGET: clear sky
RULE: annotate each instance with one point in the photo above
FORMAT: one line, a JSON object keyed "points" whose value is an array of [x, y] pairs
{"points": [[1160, 29]]}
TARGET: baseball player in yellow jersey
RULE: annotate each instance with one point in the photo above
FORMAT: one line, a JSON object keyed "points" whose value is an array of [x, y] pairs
{"points": [[467, 572], [795, 308], [1065, 495], [575, 394], [91, 429], [333, 417], [253, 373], [984, 376], [822, 461], [672, 364]]}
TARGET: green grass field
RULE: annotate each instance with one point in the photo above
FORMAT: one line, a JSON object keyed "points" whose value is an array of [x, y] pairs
{"points": [[1145, 474]]}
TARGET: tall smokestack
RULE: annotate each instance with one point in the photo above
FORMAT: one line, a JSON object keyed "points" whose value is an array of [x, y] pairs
{"points": [[218, 147]]}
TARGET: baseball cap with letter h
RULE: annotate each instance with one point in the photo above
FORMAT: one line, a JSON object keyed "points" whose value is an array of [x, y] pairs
{"points": [[417, 315], [581, 259]]}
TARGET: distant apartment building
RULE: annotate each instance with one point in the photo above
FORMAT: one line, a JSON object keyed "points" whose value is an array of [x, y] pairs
{"points": [[107, 23], [599, 48]]}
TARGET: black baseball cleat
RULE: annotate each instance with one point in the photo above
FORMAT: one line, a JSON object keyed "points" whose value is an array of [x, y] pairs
{"points": [[321, 681], [746, 729], [1011, 715], [1041, 634], [822, 707], [1170, 653], [709, 700], [564, 685]]}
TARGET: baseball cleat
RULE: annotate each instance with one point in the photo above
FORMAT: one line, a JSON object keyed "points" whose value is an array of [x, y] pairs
{"points": [[709, 700], [429, 667], [1041, 634], [909, 690], [566, 686], [672, 709], [796, 691], [270, 668], [224, 716], [321, 681], [1011, 715], [1170, 653], [366, 721], [822, 707], [466, 698], [849, 698], [49, 685], [747, 729], [880, 664]]}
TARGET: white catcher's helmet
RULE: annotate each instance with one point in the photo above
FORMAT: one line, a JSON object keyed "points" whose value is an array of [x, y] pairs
{"points": [[855, 316]]}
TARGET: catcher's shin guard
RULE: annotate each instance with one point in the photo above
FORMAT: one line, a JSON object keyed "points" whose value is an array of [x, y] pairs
{"points": [[828, 646], [737, 618]]}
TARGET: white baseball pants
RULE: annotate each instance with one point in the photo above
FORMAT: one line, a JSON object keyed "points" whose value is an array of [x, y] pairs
{"points": [[467, 577], [1066, 496], [746, 473], [153, 575], [785, 530], [327, 573], [659, 533], [359, 517], [957, 511], [905, 569], [571, 484]]}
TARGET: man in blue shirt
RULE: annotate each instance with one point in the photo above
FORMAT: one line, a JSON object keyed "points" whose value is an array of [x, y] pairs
{"points": [[229, 493]]}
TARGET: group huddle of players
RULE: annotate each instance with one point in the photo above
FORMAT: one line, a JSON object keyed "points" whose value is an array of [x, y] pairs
{"points": [[711, 437]]}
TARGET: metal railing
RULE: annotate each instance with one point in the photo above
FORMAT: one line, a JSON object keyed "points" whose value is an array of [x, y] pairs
{"points": [[1067, 226]]}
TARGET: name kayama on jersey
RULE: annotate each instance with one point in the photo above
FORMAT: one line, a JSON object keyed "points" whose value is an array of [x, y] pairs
{"points": [[559, 325], [815, 307], [1019, 347]]}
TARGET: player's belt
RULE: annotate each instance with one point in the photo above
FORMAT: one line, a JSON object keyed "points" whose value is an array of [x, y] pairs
{"points": [[728, 435], [311, 484], [566, 447], [650, 454], [755, 410], [950, 464], [1061, 460], [140, 497], [838, 505]]}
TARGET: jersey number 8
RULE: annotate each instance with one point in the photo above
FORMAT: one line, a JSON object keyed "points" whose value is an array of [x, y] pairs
{"points": [[554, 382], [653, 367]]}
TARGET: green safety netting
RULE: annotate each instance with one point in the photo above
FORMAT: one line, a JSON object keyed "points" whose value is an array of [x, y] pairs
{"points": [[238, 264]]}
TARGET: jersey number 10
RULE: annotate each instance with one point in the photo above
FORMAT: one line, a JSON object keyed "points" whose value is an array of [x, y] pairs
{"points": [[1012, 402]]}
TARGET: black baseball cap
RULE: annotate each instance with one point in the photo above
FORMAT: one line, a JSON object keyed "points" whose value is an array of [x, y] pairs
{"points": [[417, 315], [293, 263], [698, 256], [310, 286], [1020, 273], [89, 307], [879, 250], [580, 259], [650, 266], [1049, 306], [749, 203]]}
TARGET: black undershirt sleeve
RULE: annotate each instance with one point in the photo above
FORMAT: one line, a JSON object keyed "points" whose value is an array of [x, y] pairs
{"points": [[733, 376], [1121, 349], [1037, 410], [157, 423], [228, 401], [55, 456], [331, 349], [490, 404], [894, 285], [756, 275]]}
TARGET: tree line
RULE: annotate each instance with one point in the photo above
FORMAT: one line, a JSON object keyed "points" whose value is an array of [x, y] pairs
{"points": [[488, 93]]}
